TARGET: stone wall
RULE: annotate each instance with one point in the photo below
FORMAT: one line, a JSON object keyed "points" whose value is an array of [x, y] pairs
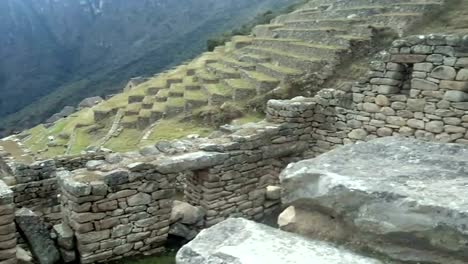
{"points": [[35, 187], [418, 90], [75, 162], [7, 226], [117, 214]]}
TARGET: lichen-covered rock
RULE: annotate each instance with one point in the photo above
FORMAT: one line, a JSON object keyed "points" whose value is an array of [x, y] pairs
{"points": [[242, 241], [37, 236], [185, 213], [407, 193]]}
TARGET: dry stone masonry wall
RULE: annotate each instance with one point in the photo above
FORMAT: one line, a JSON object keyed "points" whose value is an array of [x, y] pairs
{"points": [[117, 214], [7, 226], [118, 209], [418, 90]]}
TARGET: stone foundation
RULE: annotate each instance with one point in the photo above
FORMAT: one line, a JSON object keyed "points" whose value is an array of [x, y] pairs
{"points": [[7, 226]]}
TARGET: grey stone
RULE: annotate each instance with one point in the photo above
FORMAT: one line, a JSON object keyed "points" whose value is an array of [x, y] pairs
{"points": [[462, 75], [94, 164], [65, 236], [23, 256], [116, 177], [444, 73], [114, 158], [456, 96], [370, 108], [149, 151], [424, 67], [37, 235], [190, 161], [359, 134], [424, 85], [273, 192], [418, 193], [186, 214], [435, 126], [242, 241], [139, 199]]}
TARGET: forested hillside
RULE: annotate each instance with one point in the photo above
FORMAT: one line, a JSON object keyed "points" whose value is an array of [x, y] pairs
{"points": [[55, 53]]}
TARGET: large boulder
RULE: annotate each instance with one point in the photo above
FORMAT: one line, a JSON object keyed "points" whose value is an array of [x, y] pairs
{"points": [[401, 197], [36, 234], [186, 213], [242, 241]]}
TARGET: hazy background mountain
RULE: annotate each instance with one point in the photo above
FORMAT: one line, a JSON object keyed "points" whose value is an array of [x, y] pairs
{"points": [[57, 52]]}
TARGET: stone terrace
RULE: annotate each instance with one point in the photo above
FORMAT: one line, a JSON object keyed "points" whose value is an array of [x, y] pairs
{"points": [[312, 40], [120, 209]]}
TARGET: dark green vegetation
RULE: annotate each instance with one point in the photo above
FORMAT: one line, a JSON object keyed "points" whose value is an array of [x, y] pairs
{"points": [[246, 29], [55, 53]]}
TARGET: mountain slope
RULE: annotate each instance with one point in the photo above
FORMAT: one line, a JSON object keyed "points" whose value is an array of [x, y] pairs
{"points": [[58, 52]]}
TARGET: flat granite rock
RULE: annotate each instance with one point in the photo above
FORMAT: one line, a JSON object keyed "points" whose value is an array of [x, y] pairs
{"points": [[240, 241], [409, 195]]}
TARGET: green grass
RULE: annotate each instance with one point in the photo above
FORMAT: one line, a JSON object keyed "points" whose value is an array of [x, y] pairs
{"points": [[170, 129], [82, 141], [239, 84], [282, 69], [222, 68], [261, 77], [159, 107], [249, 118], [196, 96], [127, 141], [206, 75], [175, 101], [218, 88], [177, 88]]}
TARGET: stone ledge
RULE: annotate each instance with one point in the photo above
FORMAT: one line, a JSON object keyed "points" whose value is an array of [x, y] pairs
{"points": [[242, 241]]}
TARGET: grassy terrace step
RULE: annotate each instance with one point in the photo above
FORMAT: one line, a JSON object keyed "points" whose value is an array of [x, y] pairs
{"points": [[265, 30], [129, 121], [251, 58], [279, 72], [206, 77], [299, 47], [222, 71], [288, 59], [233, 63], [162, 95], [241, 41], [195, 99], [133, 109], [176, 90], [308, 34], [343, 23], [218, 93], [242, 89], [262, 82], [367, 10], [174, 106], [148, 102]]}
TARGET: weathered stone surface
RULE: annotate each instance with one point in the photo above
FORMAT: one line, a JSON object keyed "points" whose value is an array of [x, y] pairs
{"points": [[390, 188], [444, 73], [456, 96], [241, 241], [185, 213], [36, 234], [65, 237], [191, 161], [273, 192], [424, 85]]}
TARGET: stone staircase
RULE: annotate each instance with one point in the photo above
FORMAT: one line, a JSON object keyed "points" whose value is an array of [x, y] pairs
{"points": [[314, 39]]}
